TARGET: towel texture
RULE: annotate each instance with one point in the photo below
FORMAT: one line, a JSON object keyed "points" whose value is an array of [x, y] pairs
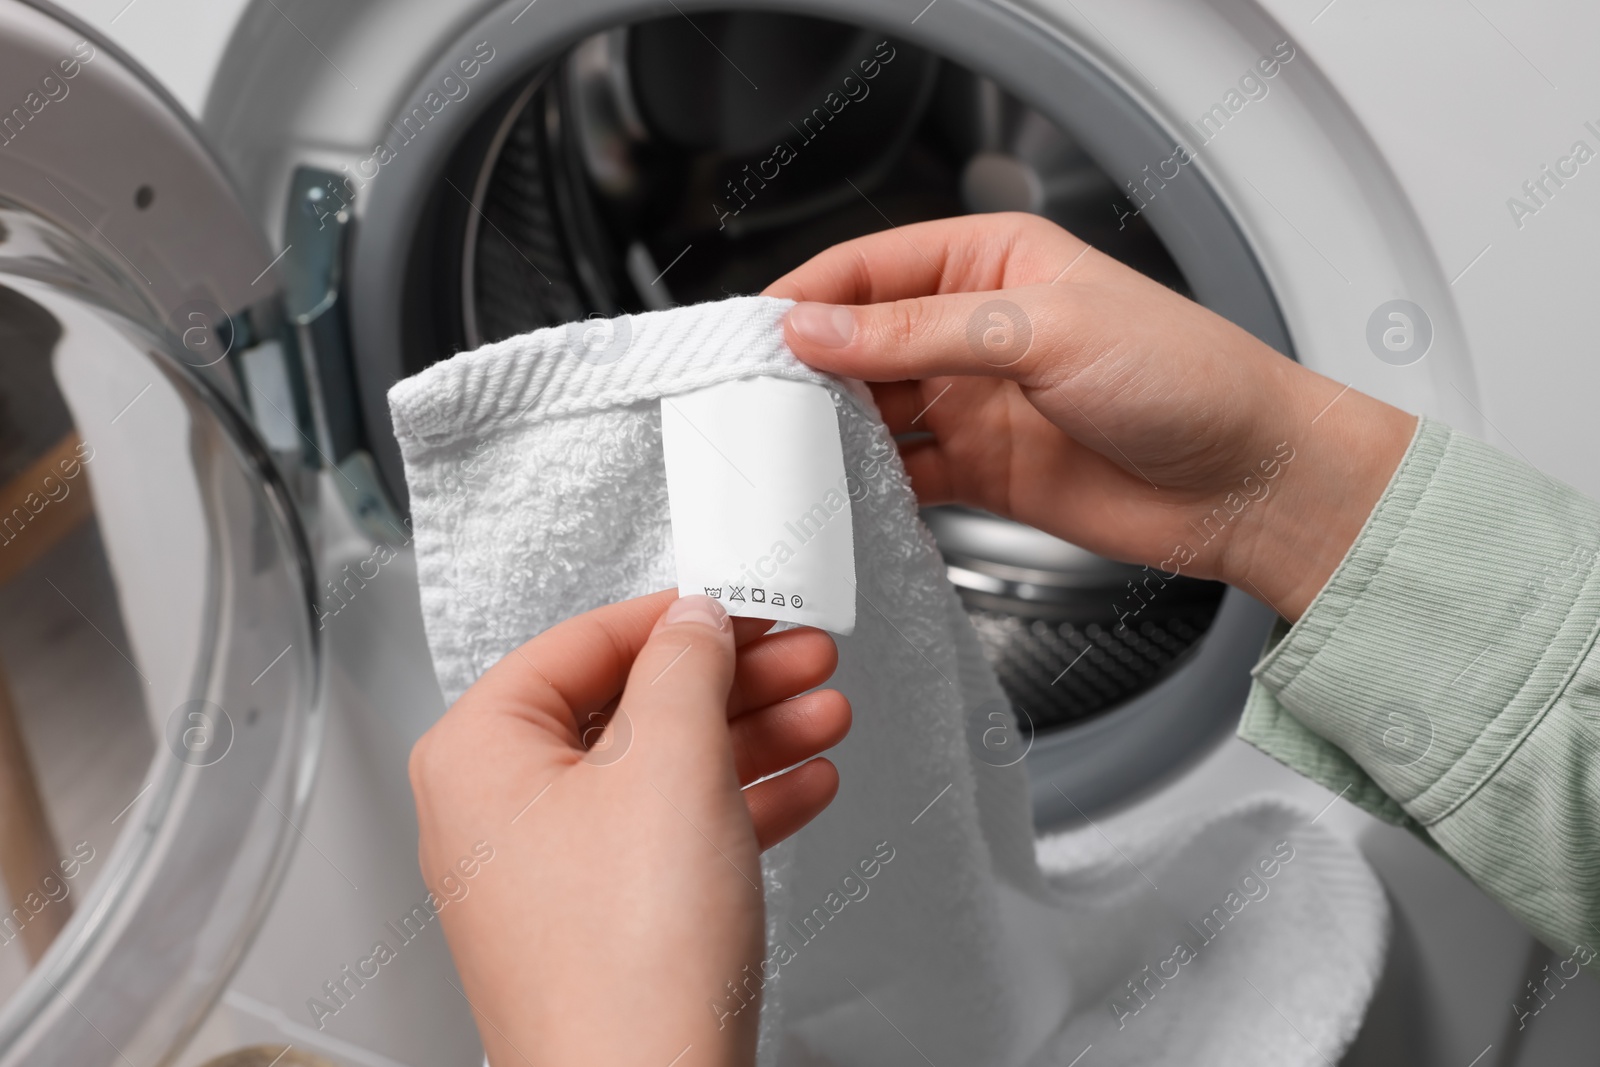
{"points": [[537, 490]]}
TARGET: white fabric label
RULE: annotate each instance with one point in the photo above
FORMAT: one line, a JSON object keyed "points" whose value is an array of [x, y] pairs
{"points": [[760, 504]]}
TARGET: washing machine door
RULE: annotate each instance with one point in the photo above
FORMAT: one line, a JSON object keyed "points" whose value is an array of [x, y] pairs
{"points": [[158, 651]]}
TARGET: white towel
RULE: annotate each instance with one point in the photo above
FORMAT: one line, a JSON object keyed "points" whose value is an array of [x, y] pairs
{"points": [[537, 492]]}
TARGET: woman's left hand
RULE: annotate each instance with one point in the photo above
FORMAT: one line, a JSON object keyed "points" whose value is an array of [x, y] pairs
{"points": [[599, 769]]}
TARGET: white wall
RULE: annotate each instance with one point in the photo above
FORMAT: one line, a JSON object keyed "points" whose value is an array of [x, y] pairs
{"points": [[179, 41]]}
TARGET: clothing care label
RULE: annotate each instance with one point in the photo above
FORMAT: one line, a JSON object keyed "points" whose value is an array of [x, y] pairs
{"points": [[760, 504]]}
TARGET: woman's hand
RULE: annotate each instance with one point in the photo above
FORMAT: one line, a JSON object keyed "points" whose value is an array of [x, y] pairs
{"points": [[599, 768], [1067, 391]]}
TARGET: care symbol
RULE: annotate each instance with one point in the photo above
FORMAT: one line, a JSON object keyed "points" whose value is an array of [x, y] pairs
{"points": [[738, 592], [777, 600], [714, 591], [758, 596]]}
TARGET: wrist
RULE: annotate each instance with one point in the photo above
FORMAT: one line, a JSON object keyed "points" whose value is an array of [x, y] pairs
{"points": [[1346, 447], [630, 1036]]}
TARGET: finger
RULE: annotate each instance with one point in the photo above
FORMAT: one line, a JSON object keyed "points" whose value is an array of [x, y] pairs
{"points": [[999, 335], [780, 806], [571, 675], [677, 692], [928, 467], [573, 670], [744, 630], [780, 735], [780, 665], [974, 252], [747, 630], [900, 403]]}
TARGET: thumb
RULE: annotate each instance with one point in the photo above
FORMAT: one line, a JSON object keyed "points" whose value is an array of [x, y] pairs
{"points": [[998, 333], [677, 689]]}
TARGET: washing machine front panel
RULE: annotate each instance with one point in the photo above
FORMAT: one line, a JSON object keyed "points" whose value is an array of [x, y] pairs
{"points": [[1488, 115], [1243, 137], [1301, 208], [160, 658], [400, 152]]}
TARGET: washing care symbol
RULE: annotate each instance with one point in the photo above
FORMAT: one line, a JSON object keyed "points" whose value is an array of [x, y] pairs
{"points": [[757, 595]]}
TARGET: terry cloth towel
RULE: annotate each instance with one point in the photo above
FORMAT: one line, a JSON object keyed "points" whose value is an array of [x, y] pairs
{"points": [[538, 492]]}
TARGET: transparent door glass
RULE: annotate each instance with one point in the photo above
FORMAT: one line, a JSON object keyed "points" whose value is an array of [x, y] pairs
{"points": [[156, 663]]}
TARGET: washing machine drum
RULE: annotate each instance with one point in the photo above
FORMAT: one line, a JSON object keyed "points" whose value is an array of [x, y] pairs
{"points": [[158, 659]]}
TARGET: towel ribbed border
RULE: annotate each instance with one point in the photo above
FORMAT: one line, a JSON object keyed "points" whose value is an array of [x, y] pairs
{"points": [[561, 371]]}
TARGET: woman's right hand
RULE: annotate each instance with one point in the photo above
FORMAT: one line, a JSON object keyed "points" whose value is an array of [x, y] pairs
{"points": [[1069, 392]]}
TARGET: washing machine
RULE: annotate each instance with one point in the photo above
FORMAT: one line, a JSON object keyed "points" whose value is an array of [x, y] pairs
{"points": [[212, 664]]}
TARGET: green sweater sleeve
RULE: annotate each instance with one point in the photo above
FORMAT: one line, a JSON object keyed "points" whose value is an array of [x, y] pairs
{"points": [[1446, 678]]}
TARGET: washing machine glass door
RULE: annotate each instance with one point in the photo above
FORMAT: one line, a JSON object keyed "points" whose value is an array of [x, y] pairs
{"points": [[158, 655]]}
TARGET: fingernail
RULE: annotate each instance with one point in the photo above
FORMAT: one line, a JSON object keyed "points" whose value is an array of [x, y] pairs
{"points": [[697, 609], [828, 325]]}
